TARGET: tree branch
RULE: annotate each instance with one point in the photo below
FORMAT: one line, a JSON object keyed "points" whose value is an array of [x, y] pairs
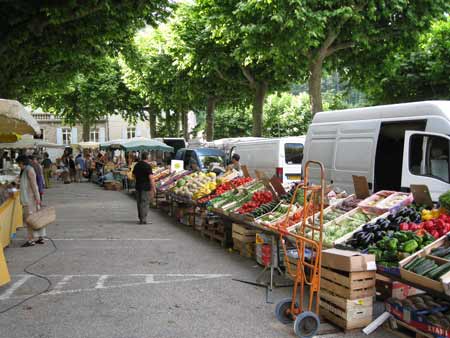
{"points": [[338, 47], [248, 76]]}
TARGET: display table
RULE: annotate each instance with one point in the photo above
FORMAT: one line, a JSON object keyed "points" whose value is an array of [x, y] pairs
{"points": [[10, 218]]}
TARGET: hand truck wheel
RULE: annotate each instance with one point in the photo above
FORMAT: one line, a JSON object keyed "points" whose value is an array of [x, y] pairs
{"points": [[281, 311], [306, 324]]}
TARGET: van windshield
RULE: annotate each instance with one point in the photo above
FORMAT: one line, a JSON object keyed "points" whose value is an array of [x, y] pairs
{"points": [[208, 159], [293, 153]]}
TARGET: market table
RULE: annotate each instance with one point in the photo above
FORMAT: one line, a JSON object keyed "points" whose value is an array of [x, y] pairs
{"points": [[10, 218]]}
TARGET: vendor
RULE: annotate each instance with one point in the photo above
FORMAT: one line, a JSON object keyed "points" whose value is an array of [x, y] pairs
{"points": [[235, 164]]}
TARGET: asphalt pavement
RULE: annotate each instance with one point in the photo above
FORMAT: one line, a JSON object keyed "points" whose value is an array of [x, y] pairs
{"points": [[114, 278]]}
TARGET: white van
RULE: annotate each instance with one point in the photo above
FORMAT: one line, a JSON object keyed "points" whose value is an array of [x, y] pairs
{"points": [[275, 156], [394, 146]]}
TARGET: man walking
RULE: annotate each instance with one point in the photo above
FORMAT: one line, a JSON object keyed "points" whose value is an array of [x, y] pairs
{"points": [[145, 186]]}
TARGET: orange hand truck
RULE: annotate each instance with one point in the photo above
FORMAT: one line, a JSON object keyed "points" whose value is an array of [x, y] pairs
{"points": [[308, 244]]}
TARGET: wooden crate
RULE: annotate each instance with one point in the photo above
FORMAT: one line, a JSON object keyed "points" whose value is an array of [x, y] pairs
{"points": [[349, 285], [246, 249], [345, 313], [243, 234], [113, 185]]}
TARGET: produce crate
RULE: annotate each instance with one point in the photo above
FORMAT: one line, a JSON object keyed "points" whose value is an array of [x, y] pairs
{"points": [[402, 310], [444, 284], [404, 330], [381, 207], [387, 288], [113, 185], [217, 231], [243, 234], [345, 313], [246, 249], [350, 285]]}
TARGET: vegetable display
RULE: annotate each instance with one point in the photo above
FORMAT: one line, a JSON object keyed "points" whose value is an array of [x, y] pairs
{"points": [[224, 187], [258, 198], [427, 267], [349, 204], [196, 185], [444, 200], [436, 227]]}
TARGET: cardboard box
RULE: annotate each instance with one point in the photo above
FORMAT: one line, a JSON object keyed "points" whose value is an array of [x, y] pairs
{"points": [[350, 261]]}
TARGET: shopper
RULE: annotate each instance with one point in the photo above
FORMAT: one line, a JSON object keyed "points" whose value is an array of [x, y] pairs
{"points": [[34, 162], [145, 187], [88, 167], [79, 167], [47, 165], [72, 169], [30, 199]]}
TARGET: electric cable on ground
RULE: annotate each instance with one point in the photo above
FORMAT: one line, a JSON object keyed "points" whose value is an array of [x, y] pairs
{"points": [[43, 277]]}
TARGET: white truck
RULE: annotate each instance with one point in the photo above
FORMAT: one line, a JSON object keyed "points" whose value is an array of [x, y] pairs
{"points": [[273, 156], [393, 146]]}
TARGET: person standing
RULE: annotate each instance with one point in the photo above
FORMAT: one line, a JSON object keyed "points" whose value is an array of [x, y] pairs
{"points": [[34, 162], [47, 165], [235, 164], [88, 167], [145, 187], [30, 199], [72, 169], [79, 167]]}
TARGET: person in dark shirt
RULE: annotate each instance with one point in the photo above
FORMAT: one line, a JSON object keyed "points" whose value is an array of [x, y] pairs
{"points": [[47, 164], [145, 187]]}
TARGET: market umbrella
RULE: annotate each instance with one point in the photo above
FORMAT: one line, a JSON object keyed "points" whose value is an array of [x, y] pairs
{"points": [[15, 119], [142, 143], [29, 143], [112, 144], [86, 145]]}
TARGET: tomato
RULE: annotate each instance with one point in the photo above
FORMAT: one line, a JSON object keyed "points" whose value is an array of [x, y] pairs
{"points": [[435, 233]]}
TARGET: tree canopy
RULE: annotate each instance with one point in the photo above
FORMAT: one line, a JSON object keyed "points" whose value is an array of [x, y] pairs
{"points": [[423, 74], [49, 41]]}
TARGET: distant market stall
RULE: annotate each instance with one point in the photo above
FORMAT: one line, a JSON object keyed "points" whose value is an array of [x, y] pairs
{"points": [[136, 144]]}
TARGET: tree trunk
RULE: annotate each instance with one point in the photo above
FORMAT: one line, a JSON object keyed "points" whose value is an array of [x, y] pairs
{"points": [[210, 107], [86, 131], [184, 125], [258, 107], [315, 85], [152, 122]]}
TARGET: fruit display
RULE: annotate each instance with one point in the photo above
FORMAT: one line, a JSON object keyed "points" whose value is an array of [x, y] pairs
{"points": [[224, 187], [195, 185], [169, 182], [258, 198], [160, 174], [237, 197], [279, 215], [349, 204], [437, 227], [384, 201], [227, 176]]}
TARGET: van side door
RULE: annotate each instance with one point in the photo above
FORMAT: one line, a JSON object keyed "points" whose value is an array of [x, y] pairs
{"points": [[426, 161]]}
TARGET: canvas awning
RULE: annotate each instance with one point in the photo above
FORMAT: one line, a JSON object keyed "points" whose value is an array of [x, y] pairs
{"points": [[137, 144], [15, 119], [29, 144]]}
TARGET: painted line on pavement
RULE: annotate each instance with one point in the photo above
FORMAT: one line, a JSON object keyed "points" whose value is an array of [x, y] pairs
{"points": [[7, 294], [144, 279]]}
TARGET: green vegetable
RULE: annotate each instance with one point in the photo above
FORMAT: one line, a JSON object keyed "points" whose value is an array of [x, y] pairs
{"points": [[392, 244], [444, 268], [390, 256], [377, 252], [401, 236], [415, 262], [410, 246], [444, 200]]}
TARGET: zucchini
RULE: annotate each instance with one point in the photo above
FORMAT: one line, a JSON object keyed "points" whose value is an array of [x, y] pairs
{"points": [[432, 267], [423, 267], [414, 263], [440, 271]]}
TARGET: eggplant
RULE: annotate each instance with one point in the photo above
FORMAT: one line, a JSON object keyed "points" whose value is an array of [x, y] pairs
{"points": [[390, 217], [385, 225], [398, 220], [368, 239], [379, 235], [369, 227]]}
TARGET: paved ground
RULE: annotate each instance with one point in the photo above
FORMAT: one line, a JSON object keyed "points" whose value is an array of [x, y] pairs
{"points": [[113, 278]]}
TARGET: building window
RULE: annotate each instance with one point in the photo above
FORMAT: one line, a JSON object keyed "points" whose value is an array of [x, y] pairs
{"points": [[131, 132], [66, 136], [93, 135], [40, 137]]}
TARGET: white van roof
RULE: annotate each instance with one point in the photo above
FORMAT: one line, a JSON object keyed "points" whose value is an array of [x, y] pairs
{"points": [[275, 139], [386, 111]]}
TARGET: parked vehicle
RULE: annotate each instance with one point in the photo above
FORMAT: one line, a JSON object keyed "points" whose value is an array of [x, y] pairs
{"points": [[393, 146], [202, 156], [273, 156], [176, 142]]}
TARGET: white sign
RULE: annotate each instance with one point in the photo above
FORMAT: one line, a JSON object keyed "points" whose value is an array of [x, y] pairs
{"points": [[176, 165]]}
